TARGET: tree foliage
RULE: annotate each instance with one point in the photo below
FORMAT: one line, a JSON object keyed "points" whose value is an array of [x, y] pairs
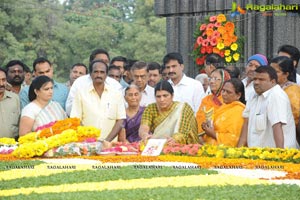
{"points": [[67, 32]]}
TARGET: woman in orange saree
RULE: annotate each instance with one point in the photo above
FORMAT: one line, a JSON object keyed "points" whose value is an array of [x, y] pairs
{"points": [[287, 80], [228, 120], [214, 100]]}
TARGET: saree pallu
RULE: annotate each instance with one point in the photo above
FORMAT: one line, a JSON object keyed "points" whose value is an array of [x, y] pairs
{"points": [[178, 122], [132, 126], [293, 92], [206, 104], [50, 113], [227, 124]]}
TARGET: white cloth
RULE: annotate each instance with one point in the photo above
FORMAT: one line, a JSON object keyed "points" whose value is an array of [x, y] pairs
{"points": [[265, 110], [83, 82], [41, 116], [147, 96], [298, 79], [208, 91], [99, 112], [249, 89], [188, 90]]}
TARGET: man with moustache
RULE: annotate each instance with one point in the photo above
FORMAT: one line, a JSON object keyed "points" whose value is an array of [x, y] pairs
{"points": [[253, 62], [140, 74], [185, 88], [268, 118], [98, 104], [42, 66], [15, 75], [77, 70], [97, 54], [9, 109]]}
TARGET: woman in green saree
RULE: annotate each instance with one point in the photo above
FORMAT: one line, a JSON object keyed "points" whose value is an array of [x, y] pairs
{"points": [[168, 119]]}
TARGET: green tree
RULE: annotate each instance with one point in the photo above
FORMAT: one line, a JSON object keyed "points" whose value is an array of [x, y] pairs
{"points": [[67, 33]]}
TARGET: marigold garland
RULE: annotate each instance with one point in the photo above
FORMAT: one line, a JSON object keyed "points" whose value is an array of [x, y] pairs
{"points": [[217, 35], [59, 126], [32, 145], [7, 141]]}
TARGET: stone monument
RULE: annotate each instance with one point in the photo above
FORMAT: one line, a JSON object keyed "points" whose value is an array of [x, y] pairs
{"points": [[264, 31]]}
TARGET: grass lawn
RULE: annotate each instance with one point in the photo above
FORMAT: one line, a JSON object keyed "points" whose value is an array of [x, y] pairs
{"points": [[132, 183]]}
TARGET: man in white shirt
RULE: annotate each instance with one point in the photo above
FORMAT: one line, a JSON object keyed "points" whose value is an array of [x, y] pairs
{"points": [[140, 73], [77, 70], [293, 53], [253, 62], [99, 105], [268, 118], [185, 88], [81, 82]]}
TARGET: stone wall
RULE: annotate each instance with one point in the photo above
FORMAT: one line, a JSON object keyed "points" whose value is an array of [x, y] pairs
{"points": [[263, 34]]}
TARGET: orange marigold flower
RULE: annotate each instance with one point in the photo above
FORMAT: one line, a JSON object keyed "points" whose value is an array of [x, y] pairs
{"points": [[221, 29], [209, 31], [229, 26], [234, 38], [216, 50], [227, 42]]}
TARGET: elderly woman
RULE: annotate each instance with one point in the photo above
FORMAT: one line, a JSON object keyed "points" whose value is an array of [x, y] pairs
{"points": [[214, 100], [228, 120], [41, 110], [168, 119], [131, 125]]}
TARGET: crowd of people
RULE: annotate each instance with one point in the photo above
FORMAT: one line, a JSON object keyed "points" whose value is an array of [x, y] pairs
{"points": [[131, 100]]}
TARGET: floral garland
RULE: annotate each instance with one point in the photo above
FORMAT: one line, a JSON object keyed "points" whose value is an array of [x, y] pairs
{"points": [[33, 145], [217, 35], [57, 127], [7, 141], [270, 154]]}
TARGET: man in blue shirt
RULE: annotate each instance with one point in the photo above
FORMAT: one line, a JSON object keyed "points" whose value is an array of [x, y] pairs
{"points": [[42, 66]]}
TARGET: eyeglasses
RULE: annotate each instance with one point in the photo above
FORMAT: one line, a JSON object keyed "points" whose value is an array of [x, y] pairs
{"points": [[214, 79]]}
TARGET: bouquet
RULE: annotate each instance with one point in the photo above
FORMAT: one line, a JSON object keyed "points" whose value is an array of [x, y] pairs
{"points": [[217, 35]]}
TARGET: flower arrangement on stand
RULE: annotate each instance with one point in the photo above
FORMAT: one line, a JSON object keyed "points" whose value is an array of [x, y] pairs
{"points": [[217, 35]]}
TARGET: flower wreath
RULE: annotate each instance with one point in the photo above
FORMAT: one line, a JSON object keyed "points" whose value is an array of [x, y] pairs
{"points": [[217, 35]]}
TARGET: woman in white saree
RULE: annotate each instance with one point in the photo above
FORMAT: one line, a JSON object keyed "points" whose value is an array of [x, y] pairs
{"points": [[168, 119], [41, 110]]}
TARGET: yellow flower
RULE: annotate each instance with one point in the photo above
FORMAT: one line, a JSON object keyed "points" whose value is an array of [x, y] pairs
{"points": [[7, 141], [221, 18], [220, 154], [200, 152], [228, 59], [220, 46], [234, 46], [236, 56], [29, 137], [227, 52]]}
